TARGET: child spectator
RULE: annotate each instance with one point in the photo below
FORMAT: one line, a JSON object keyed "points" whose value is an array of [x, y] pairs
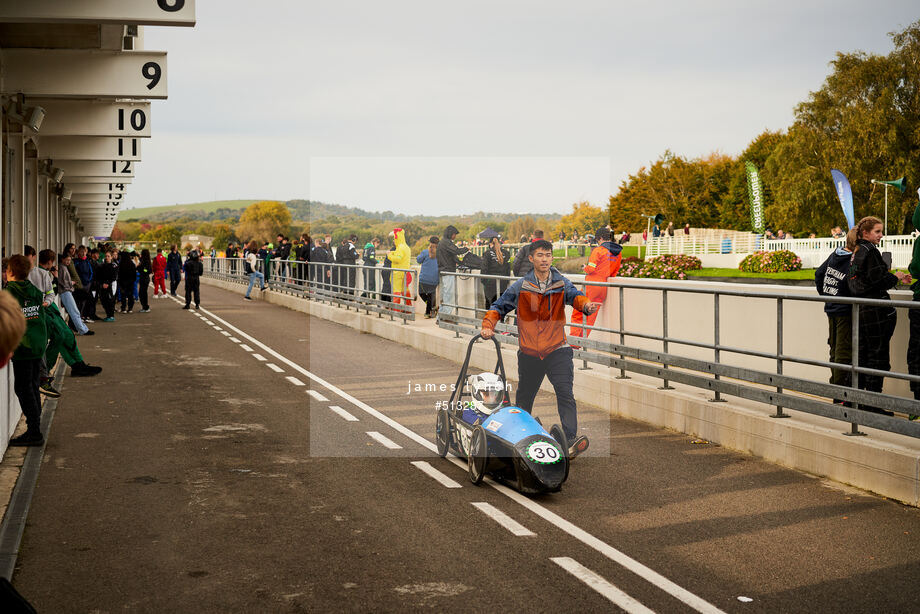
{"points": [[28, 354], [831, 280], [428, 275]]}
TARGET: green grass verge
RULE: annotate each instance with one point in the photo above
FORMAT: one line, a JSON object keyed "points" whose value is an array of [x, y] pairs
{"points": [[214, 205], [803, 274]]}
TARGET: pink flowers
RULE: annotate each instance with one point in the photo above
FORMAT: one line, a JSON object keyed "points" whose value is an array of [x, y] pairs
{"points": [[672, 266], [771, 262]]}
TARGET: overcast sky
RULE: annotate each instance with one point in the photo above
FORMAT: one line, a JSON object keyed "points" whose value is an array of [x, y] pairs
{"points": [[430, 107]]}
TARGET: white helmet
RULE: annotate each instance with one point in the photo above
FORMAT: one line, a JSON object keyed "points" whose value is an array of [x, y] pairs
{"points": [[487, 390]]}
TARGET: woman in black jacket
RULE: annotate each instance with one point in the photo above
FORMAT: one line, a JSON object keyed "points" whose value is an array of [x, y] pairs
{"points": [[869, 277], [496, 261]]}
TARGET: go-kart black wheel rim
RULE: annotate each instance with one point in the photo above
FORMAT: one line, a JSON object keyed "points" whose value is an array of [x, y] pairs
{"points": [[442, 432], [479, 455]]}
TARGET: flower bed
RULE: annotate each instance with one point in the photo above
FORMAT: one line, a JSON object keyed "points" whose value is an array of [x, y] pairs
{"points": [[672, 266], [780, 261]]}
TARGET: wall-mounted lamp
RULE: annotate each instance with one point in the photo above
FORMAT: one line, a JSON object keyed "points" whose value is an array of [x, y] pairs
{"points": [[57, 174]]}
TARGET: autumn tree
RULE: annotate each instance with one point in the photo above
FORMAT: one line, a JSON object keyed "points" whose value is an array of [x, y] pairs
{"points": [[164, 234], [585, 218], [264, 220], [862, 121]]}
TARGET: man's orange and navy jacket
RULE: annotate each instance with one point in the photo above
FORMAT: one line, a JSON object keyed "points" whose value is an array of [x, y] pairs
{"points": [[540, 315]]}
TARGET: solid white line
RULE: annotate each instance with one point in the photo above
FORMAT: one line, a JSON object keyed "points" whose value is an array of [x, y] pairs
{"points": [[234, 340], [602, 586], [316, 395], [343, 413], [275, 368], [294, 380], [224, 333], [504, 519], [697, 603], [246, 348], [437, 475], [388, 443], [259, 357]]}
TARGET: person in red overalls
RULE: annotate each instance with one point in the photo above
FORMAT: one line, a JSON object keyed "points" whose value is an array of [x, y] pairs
{"points": [[159, 274], [604, 263]]}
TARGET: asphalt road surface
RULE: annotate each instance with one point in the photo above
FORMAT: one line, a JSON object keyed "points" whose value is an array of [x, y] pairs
{"points": [[247, 458]]}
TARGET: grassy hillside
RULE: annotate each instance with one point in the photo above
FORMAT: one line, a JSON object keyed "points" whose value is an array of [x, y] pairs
{"points": [[178, 210]]}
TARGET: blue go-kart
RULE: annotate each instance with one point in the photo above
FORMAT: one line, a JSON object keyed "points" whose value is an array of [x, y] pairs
{"points": [[507, 442]]}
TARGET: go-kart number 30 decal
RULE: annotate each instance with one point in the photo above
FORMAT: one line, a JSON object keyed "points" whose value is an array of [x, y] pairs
{"points": [[543, 452]]}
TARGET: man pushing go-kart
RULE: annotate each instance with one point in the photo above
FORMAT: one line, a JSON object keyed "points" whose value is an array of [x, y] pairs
{"points": [[540, 298]]}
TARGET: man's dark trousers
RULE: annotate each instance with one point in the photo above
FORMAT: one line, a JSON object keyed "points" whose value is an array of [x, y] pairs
{"points": [[560, 370], [27, 374], [173, 282], [192, 287]]}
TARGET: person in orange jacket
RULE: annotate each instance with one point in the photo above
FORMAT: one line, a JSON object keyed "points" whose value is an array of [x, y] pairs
{"points": [[603, 263]]}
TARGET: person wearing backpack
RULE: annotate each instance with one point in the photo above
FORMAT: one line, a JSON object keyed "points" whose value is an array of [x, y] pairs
{"points": [[250, 268]]}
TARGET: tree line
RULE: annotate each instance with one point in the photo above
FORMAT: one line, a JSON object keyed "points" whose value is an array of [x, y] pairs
{"points": [[863, 121]]}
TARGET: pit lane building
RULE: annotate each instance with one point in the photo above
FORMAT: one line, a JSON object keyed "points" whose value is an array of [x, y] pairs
{"points": [[76, 86]]}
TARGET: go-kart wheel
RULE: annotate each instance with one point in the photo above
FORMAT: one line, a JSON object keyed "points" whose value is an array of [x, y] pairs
{"points": [[479, 455], [556, 433], [442, 432]]}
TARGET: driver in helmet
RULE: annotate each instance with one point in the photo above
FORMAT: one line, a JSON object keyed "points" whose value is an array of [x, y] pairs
{"points": [[487, 391]]}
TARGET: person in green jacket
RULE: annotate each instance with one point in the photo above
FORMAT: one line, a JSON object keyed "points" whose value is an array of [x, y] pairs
{"points": [[28, 355], [913, 345]]}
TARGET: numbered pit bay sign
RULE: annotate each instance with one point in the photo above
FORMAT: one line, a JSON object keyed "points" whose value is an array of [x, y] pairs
{"points": [[96, 168], [139, 12], [84, 73], [90, 148], [94, 118]]}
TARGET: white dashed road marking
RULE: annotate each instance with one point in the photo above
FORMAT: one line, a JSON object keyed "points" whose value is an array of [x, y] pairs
{"points": [[694, 601], [246, 348], [437, 475], [234, 340], [259, 357], [387, 443], [317, 395], [343, 413], [608, 590], [275, 368], [504, 519], [294, 380]]}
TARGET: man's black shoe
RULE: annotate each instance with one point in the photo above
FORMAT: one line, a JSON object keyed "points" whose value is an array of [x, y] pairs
{"points": [[186, 307], [88, 332], [48, 390], [28, 439], [81, 369]]}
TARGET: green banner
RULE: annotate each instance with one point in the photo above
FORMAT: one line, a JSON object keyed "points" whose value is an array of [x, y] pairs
{"points": [[755, 195]]}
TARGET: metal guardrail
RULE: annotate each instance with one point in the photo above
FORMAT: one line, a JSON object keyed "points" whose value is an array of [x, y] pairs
{"points": [[347, 285], [769, 387]]}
